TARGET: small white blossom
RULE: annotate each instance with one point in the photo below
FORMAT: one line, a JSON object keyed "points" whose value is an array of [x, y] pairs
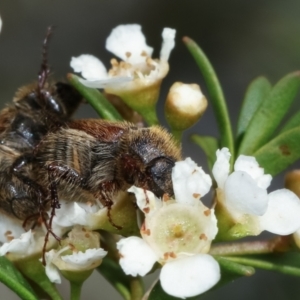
{"points": [[78, 260], [137, 69], [176, 233], [243, 194], [27, 243]]}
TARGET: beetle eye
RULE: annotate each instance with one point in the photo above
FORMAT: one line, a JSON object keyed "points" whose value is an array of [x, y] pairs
{"points": [[160, 170]]}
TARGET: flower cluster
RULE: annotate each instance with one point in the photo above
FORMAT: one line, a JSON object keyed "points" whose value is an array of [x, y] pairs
{"points": [[175, 233], [136, 70], [244, 203]]}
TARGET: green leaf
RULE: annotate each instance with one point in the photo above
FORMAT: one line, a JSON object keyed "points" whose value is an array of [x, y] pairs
{"points": [[233, 267], [280, 152], [33, 269], [270, 263], [255, 95], [12, 278], [114, 274], [209, 145], [215, 93], [293, 122], [269, 115], [96, 99]]}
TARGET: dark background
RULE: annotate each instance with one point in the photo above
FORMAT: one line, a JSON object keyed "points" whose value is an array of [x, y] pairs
{"points": [[243, 39]]}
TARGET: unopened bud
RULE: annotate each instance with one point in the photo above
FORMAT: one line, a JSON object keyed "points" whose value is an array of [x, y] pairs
{"points": [[184, 106], [292, 181]]}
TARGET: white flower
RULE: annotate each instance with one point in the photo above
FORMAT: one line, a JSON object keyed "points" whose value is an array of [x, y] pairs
{"points": [[78, 260], [243, 194], [19, 244], [177, 234], [137, 68], [22, 244]]}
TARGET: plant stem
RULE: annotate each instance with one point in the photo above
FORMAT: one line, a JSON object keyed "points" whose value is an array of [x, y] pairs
{"points": [[149, 115], [278, 244], [177, 134], [75, 290], [136, 287]]}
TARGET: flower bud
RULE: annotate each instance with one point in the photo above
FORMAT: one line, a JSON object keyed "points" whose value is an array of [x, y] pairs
{"points": [[292, 181], [184, 106]]}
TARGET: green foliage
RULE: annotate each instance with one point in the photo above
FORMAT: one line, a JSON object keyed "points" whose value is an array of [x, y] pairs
{"points": [[280, 152], [114, 274], [13, 279], [96, 99], [269, 114], [215, 92], [256, 93]]}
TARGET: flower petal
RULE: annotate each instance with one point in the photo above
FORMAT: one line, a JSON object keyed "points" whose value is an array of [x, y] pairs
{"points": [[189, 276], [190, 182], [20, 245], [69, 214], [90, 67], [221, 167], [243, 195], [0, 24], [109, 82], [137, 258], [249, 165], [10, 228], [85, 260], [168, 44], [51, 269], [145, 199], [282, 216], [128, 43]]}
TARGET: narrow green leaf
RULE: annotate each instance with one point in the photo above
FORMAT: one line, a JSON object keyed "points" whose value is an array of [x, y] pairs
{"points": [[269, 115], [280, 152], [293, 122], [265, 264], [255, 94], [215, 93], [96, 99], [233, 267], [114, 274], [209, 145], [13, 279], [35, 271]]}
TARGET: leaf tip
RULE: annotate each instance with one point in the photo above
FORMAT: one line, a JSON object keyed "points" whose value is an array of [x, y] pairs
{"points": [[187, 40]]}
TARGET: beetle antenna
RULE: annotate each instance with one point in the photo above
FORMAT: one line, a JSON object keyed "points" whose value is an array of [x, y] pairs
{"points": [[45, 69]]}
